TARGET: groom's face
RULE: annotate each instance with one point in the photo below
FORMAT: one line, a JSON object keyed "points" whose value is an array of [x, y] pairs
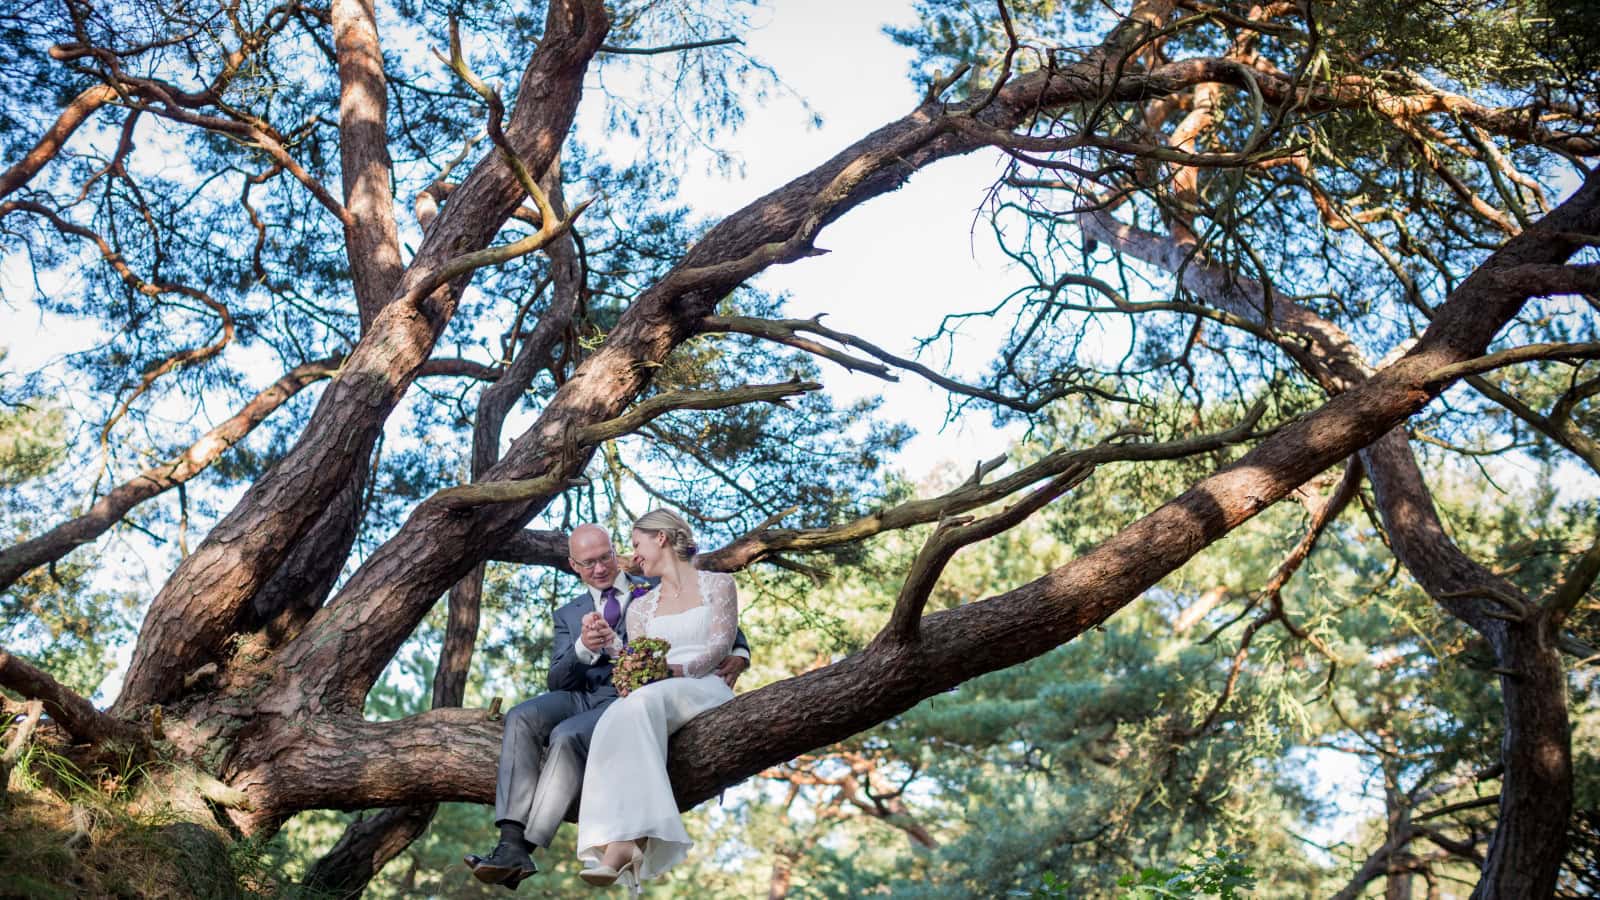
{"points": [[589, 551]]}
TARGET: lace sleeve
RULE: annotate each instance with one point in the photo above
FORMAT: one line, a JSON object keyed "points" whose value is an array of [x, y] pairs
{"points": [[723, 598]]}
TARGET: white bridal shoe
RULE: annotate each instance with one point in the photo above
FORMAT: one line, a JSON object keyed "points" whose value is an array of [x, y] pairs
{"points": [[605, 876]]}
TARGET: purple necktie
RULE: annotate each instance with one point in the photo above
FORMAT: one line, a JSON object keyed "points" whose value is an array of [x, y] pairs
{"points": [[613, 609]]}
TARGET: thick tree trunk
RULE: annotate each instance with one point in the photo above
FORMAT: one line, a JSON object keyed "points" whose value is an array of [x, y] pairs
{"points": [[372, 245], [369, 844], [296, 591], [190, 620], [1530, 838]]}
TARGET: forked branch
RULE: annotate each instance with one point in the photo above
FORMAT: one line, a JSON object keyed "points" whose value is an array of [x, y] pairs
{"points": [[762, 543], [587, 436], [954, 533], [791, 332]]}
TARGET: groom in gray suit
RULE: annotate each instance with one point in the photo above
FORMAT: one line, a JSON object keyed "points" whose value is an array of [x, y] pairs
{"points": [[546, 740]]}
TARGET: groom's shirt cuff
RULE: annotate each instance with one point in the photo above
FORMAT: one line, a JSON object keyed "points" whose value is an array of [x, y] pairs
{"points": [[585, 655]]}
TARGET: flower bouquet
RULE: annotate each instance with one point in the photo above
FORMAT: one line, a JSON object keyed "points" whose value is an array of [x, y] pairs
{"points": [[640, 662]]}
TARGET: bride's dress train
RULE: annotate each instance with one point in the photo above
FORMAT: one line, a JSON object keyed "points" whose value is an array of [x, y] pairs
{"points": [[626, 794]]}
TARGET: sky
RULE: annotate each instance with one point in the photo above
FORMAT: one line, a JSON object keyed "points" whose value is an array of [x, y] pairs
{"points": [[896, 264]]}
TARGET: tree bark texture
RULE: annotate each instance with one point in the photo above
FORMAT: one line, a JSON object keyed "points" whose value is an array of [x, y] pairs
{"points": [[189, 620], [370, 843]]}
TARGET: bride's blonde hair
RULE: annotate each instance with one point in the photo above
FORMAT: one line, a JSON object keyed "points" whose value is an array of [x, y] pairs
{"points": [[680, 537]]}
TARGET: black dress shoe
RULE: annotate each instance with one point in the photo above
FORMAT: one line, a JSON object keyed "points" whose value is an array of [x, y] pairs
{"points": [[508, 865]]}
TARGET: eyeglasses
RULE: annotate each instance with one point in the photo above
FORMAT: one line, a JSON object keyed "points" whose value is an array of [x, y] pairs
{"points": [[588, 564]]}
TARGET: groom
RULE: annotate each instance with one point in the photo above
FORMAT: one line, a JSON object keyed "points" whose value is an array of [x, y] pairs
{"points": [[546, 739]]}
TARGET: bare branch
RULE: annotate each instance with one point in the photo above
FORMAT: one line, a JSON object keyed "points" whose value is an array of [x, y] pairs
{"points": [[787, 331], [52, 545], [671, 48], [1564, 597], [77, 112], [1516, 355], [762, 543], [783, 332], [513, 491], [73, 713], [535, 548], [955, 533]]}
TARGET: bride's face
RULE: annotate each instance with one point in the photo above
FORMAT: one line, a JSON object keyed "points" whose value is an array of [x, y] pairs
{"points": [[650, 550]]}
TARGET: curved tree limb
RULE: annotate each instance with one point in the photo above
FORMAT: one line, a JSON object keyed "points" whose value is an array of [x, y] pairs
{"points": [[191, 619], [78, 111], [372, 244], [73, 713], [20, 558]]}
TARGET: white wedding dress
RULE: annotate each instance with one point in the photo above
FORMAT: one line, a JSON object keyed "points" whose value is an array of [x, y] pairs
{"points": [[626, 794]]}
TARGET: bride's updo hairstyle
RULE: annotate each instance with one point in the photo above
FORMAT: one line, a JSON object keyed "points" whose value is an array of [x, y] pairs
{"points": [[680, 537]]}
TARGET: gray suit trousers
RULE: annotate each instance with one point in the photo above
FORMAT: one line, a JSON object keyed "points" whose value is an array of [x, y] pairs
{"points": [[542, 755]]}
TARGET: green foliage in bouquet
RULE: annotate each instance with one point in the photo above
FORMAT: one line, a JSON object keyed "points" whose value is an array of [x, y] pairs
{"points": [[640, 662]]}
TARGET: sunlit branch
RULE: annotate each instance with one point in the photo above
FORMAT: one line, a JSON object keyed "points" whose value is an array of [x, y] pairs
{"points": [[1564, 597], [789, 332], [1514, 356], [762, 543], [78, 110], [785, 332], [110, 508], [627, 423], [950, 536]]}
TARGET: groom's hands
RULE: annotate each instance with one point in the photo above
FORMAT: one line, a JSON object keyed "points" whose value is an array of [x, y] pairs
{"points": [[596, 633], [731, 668]]}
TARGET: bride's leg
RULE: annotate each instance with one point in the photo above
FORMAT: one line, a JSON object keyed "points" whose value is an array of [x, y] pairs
{"points": [[619, 853]]}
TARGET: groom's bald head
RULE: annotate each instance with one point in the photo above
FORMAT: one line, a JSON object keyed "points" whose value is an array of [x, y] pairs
{"points": [[590, 554]]}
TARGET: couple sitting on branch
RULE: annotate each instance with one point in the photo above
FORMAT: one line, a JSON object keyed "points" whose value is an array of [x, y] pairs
{"points": [[582, 743]]}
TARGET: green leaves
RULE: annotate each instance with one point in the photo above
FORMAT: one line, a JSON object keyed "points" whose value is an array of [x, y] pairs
{"points": [[1219, 875]]}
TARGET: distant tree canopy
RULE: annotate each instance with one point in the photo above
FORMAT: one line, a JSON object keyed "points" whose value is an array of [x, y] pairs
{"points": [[366, 327]]}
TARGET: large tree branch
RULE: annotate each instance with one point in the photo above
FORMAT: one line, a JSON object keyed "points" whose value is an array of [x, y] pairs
{"points": [[763, 542], [191, 619], [372, 245], [412, 761], [20, 558], [489, 492]]}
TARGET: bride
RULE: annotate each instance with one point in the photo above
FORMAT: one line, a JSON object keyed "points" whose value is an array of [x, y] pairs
{"points": [[628, 825]]}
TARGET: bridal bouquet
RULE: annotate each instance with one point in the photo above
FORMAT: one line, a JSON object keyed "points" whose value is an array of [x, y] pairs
{"points": [[640, 662]]}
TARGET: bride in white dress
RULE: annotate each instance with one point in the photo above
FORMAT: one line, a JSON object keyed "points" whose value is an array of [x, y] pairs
{"points": [[628, 821]]}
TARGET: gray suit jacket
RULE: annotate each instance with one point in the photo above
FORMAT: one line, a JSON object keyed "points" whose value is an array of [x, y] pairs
{"points": [[567, 671]]}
